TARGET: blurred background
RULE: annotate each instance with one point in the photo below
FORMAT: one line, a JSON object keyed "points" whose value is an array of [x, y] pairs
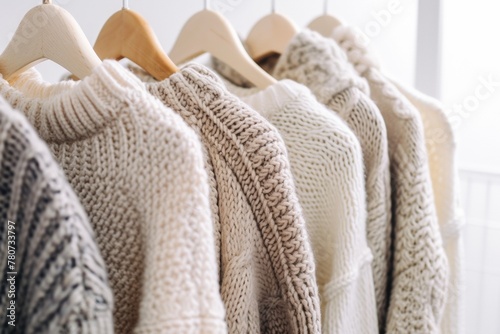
{"points": [[447, 49]]}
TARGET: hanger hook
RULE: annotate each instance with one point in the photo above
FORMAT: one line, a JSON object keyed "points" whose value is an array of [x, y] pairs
{"points": [[125, 4], [325, 7], [273, 6], [207, 5], [47, 2]]}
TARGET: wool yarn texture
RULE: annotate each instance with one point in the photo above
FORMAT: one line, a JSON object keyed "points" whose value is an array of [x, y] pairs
{"points": [[420, 266], [327, 164], [53, 276], [265, 257], [138, 171]]}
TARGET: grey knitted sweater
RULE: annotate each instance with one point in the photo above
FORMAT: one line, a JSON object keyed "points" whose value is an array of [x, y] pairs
{"points": [[61, 283]]}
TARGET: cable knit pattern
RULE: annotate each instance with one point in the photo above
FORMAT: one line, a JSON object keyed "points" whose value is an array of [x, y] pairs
{"points": [[266, 263], [420, 268], [61, 284], [327, 164], [138, 170], [441, 147]]}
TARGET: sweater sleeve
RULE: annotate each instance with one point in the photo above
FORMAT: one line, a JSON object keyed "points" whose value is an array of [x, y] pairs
{"points": [[180, 283], [61, 283]]}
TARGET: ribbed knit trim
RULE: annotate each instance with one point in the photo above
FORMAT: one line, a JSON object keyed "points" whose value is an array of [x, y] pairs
{"points": [[70, 111]]}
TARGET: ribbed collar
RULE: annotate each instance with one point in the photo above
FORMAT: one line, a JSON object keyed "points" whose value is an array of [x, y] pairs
{"points": [[70, 111]]}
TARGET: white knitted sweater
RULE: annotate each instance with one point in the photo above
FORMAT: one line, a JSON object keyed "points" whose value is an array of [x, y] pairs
{"points": [[321, 65], [327, 164], [60, 285], [266, 262], [138, 170], [420, 267]]}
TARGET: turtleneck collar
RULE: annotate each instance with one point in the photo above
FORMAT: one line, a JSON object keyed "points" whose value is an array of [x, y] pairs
{"points": [[318, 63], [70, 111], [351, 41]]}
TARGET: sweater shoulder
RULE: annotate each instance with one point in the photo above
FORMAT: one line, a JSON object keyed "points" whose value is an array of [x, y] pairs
{"points": [[305, 124]]}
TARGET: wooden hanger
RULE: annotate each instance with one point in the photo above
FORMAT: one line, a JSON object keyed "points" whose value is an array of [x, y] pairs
{"points": [[326, 23], [209, 32], [127, 34], [48, 32], [270, 35]]}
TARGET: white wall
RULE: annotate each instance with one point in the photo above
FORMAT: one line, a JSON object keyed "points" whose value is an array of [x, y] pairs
{"points": [[394, 41]]}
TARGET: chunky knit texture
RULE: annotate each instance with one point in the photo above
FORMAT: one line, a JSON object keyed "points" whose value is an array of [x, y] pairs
{"points": [[420, 268], [441, 147], [61, 284], [138, 170], [266, 262], [327, 164]]}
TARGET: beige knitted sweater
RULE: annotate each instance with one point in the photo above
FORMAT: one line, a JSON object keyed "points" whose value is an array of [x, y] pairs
{"points": [[420, 266], [441, 147], [266, 262], [60, 282], [327, 164], [138, 170]]}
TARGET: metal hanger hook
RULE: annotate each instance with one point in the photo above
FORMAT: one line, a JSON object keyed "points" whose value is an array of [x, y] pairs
{"points": [[47, 2], [125, 4], [325, 7], [273, 6], [207, 5]]}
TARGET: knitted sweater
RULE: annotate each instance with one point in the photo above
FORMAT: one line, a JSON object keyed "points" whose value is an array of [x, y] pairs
{"points": [[59, 284], [420, 267], [266, 263], [441, 146], [322, 66], [138, 170], [327, 164]]}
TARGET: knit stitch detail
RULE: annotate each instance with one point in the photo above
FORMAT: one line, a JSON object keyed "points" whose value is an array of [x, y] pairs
{"points": [[61, 284]]}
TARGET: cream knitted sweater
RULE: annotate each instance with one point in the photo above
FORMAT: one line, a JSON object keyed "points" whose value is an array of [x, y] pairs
{"points": [[441, 146], [266, 263], [138, 170], [322, 66], [327, 164], [61, 284], [420, 268]]}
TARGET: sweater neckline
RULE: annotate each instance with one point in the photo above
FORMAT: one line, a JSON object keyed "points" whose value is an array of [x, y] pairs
{"points": [[269, 100], [70, 110]]}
